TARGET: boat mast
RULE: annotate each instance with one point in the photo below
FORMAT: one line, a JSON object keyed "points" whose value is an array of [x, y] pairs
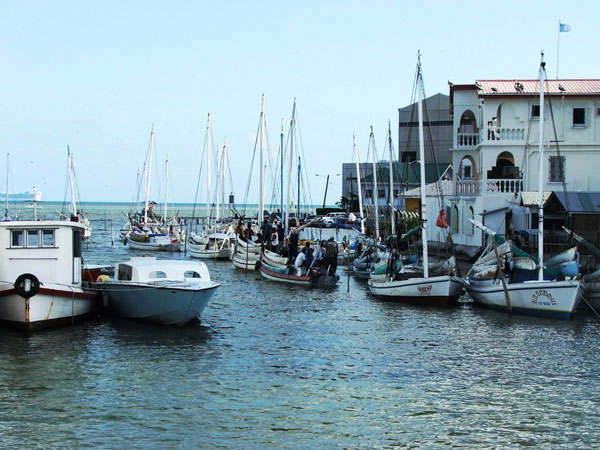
{"points": [[208, 151], [541, 173], [218, 187], [166, 186], [298, 203], [148, 175], [289, 169], [391, 164], [375, 195], [70, 163], [281, 177], [261, 202], [360, 204], [422, 167], [7, 173]]}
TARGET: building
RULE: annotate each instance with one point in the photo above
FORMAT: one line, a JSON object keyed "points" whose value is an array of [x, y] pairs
{"points": [[437, 130], [495, 149]]}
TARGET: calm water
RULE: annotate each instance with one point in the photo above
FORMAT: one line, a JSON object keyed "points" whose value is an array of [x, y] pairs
{"points": [[273, 366]]}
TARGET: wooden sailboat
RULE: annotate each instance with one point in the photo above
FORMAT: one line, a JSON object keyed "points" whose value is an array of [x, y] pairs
{"points": [[546, 298], [441, 290]]}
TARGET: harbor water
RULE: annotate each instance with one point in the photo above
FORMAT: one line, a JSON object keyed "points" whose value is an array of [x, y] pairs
{"points": [[276, 366]]}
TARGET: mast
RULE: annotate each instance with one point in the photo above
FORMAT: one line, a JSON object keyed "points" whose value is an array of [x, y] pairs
{"points": [[218, 187], [289, 169], [148, 175], [391, 164], [166, 186], [422, 167], [70, 163], [281, 177], [360, 204], [260, 179], [208, 151], [541, 173], [375, 195], [7, 174]]}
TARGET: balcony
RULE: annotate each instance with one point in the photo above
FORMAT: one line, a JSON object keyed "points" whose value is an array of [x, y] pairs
{"points": [[467, 187], [503, 186], [502, 134], [467, 141]]}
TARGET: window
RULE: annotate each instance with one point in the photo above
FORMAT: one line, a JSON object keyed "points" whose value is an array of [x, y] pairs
{"points": [[33, 238], [535, 111], [16, 238], [557, 169], [578, 117], [157, 274], [396, 193], [191, 274], [47, 238], [368, 193], [598, 111], [381, 193]]}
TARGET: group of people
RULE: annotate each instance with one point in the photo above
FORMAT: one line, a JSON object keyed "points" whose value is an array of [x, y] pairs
{"points": [[272, 237]]}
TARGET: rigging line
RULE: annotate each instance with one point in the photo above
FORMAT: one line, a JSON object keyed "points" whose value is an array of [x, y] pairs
{"points": [[560, 164], [199, 176], [303, 156], [252, 165]]}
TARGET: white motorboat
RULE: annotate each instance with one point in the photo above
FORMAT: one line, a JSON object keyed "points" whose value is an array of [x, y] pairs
{"points": [[44, 260], [169, 292]]}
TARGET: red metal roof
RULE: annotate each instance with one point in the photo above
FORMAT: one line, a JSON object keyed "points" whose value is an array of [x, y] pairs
{"points": [[531, 87]]}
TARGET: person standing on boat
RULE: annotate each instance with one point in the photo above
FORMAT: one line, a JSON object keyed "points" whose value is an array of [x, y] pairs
{"points": [[274, 240], [248, 233], [331, 254], [300, 258], [293, 243]]}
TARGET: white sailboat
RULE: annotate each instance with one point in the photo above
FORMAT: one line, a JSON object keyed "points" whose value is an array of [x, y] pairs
{"points": [[545, 298], [75, 214], [146, 236], [441, 290]]}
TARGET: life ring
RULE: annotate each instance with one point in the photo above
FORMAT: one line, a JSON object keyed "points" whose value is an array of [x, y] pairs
{"points": [[27, 285]]}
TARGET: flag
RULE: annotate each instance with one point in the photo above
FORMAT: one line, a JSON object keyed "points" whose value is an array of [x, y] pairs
{"points": [[564, 27]]}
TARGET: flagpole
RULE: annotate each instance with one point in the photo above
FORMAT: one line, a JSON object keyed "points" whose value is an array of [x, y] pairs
{"points": [[557, 48]]}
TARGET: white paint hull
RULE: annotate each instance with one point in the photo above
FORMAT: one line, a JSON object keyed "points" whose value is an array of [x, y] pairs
{"points": [[437, 291], [556, 299], [52, 305], [166, 305], [155, 246]]}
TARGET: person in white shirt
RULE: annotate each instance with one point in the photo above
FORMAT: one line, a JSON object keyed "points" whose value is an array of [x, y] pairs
{"points": [[300, 258]]}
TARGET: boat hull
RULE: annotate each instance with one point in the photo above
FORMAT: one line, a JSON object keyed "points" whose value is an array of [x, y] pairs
{"points": [[270, 273], [51, 306], [166, 305], [556, 299], [160, 246], [442, 291]]}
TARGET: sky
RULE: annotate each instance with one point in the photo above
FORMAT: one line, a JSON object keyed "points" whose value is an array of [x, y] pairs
{"points": [[97, 75]]}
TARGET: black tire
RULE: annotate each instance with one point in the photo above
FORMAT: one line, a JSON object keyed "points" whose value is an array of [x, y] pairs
{"points": [[27, 289]]}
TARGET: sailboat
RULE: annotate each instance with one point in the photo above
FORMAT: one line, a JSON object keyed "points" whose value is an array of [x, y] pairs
{"points": [[147, 235], [442, 290], [555, 298], [75, 214], [246, 253]]}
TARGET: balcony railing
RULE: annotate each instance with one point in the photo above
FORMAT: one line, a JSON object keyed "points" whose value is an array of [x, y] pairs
{"points": [[467, 140], [504, 186], [503, 134], [467, 188]]}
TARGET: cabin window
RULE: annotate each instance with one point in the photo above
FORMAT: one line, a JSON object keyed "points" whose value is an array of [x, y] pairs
{"points": [[535, 112], [381, 193], [157, 274], [47, 238], [557, 169], [191, 274], [368, 193], [33, 238], [76, 244], [578, 117], [16, 239], [598, 111], [124, 272]]}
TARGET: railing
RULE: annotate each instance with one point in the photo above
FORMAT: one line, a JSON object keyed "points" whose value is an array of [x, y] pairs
{"points": [[504, 186], [467, 188], [468, 140], [503, 134]]}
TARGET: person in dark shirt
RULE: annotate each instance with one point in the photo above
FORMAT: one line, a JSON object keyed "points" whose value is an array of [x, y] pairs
{"points": [[293, 244]]}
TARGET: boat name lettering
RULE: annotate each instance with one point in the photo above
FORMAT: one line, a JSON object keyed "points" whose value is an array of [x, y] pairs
{"points": [[425, 289], [542, 297]]}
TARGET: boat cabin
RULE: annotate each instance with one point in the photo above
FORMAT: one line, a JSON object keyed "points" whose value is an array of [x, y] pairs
{"points": [[145, 269]]}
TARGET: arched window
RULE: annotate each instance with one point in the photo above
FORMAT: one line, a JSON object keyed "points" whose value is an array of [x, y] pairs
{"points": [[469, 227], [191, 274], [467, 169], [454, 219], [157, 274]]}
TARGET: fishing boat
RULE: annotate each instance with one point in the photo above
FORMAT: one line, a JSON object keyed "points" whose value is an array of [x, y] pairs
{"points": [[443, 290], [43, 258], [313, 277], [215, 245], [557, 297], [168, 292]]}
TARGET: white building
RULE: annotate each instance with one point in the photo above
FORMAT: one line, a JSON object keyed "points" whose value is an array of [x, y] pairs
{"points": [[495, 147]]}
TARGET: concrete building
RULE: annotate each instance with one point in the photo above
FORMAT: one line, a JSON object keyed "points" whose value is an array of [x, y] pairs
{"points": [[495, 149]]}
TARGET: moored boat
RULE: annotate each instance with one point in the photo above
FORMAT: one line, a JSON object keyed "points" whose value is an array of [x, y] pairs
{"points": [[44, 259]]}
